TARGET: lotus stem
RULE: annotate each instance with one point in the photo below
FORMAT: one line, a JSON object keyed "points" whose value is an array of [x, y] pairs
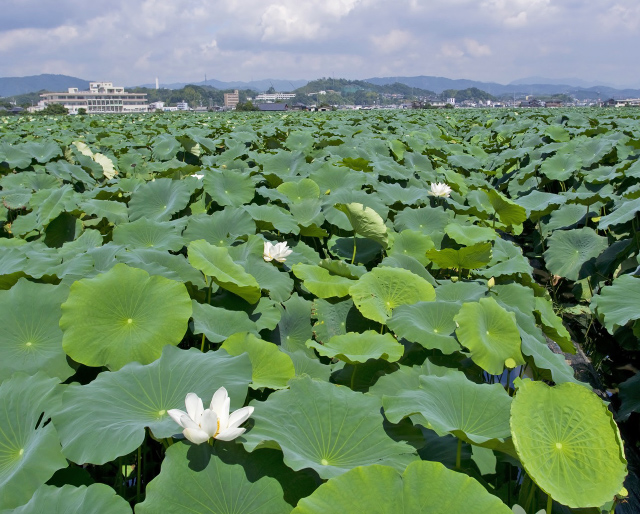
{"points": [[353, 257], [549, 504], [353, 376], [459, 454]]}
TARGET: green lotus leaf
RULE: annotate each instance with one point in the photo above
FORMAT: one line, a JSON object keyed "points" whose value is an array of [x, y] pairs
{"points": [[552, 325], [274, 216], [561, 166], [31, 338], [29, 450], [618, 303], [16, 198], [568, 443], [366, 249], [150, 233], [469, 235], [383, 289], [490, 333], [194, 479], [461, 292], [342, 268], [572, 253], [215, 262], [229, 187], [558, 133], [114, 212], [50, 203], [624, 212], [337, 318], [306, 365], [160, 199], [396, 194], [272, 368], [165, 147], [593, 150], [164, 264], [407, 379], [217, 324], [299, 140], [629, 392], [410, 264], [430, 324], [123, 315], [308, 214], [222, 228], [539, 203], [515, 296], [320, 282], [412, 244], [303, 189], [330, 429], [354, 348], [365, 222], [294, 327], [42, 152], [506, 259], [467, 257], [479, 412], [15, 156], [509, 212], [107, 417], [424, 487], [95, 499]]}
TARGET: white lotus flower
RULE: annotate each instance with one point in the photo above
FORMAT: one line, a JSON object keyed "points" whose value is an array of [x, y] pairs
{"points": [[278, 252], [201, 424], [441, 190], [198, 176]]}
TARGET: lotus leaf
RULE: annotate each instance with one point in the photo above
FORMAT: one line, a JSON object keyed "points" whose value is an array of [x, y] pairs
{"points": [[383, 289], [159, 200], [123, 316], [467, 257], [229, 187], [365, 222], [354, 348], [320, 282], [568, 443], [618, 303], [572, 253]]}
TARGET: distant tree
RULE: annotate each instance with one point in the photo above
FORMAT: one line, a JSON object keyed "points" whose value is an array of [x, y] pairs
{"points": [[82, 111], [55, 109], [271, 90], [246, 106]]}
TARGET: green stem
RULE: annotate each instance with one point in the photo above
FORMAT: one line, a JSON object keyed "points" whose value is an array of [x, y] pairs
{"points": [[353, 376], [508, 377], [549, 504], [459, 454], [139, 470], [353, 257], [541, 236]]}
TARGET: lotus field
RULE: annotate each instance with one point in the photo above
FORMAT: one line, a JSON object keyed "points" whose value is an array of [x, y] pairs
{"points": [[312, 313]]}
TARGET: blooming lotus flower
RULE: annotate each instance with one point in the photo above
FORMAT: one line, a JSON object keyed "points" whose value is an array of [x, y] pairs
{"points": [[441, 190], [201, 424], [278, 252]]}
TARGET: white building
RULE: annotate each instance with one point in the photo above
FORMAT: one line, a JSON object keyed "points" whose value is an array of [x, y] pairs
{"points": [[156, 105], [102, 97], [451, 101], [182, 106], [272, 97]]}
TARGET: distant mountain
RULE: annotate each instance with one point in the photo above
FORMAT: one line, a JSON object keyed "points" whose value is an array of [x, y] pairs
{"points": [[439, 84], [11, 86], [562, 82], [255, 85]]}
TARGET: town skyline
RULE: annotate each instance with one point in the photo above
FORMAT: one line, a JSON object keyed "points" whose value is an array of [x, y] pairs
{"points": [[184, 40]]}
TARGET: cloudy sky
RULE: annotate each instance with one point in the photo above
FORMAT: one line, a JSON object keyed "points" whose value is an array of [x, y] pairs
{"points": [[131, 42]]}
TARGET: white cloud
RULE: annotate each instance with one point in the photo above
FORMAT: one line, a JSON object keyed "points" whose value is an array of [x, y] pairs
{"points": [[393, 41], [476, 49]]}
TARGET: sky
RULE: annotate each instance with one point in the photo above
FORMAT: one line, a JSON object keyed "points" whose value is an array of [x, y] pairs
{"points": [[132, 42]]}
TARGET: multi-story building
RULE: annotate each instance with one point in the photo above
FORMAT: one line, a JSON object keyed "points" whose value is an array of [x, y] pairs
{"points": [[232, 99], [273, 97], [102, 97]]}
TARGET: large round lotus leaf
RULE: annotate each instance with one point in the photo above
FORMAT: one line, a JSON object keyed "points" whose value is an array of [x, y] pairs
{"points": [[159, 199], [148, 233], [413, 244], [430, 324], [229, 187], [469, 235], [461, 292], [221, 228], [618, 303], [568, 443], [383, 289], [123, 315], [572, 253], [424, 488], [193, 479], [217, 323], [165, 147], [294, 327], [328, 428], [29, 450], [491, 334], [365, 222], [539, 203], [337, 318], [274, 216], [480, 412], [163, 263], [31, 338], [320, 282], [354, 348], [301, 190], [107, 417], [114, 212], [467, 257], [95, 499], [560, 166], [272, 368], [216, 263]]}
